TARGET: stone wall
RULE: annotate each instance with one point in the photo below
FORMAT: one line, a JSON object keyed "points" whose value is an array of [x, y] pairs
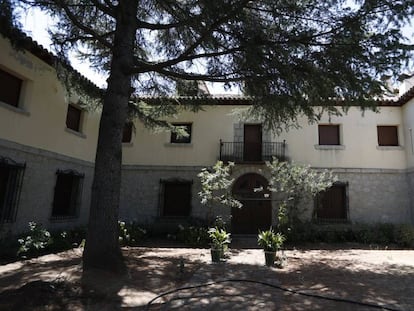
{"points": [[376, 195], [141, 191], [38, 186], [373, 195]]}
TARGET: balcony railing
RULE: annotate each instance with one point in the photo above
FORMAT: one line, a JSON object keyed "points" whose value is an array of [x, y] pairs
{"points": [[253, 152]]}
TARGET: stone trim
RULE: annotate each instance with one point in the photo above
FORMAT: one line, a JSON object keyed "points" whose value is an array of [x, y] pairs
{"points": [[44, 153], [179, 145], [79, 134], [386, 148], [162, 167], [363, 170], [329, 147]]}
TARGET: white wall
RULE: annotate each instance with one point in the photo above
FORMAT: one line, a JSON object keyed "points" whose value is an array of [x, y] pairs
{"points": [[40, 120], [408, 112], [208, 128], [358, 138]]}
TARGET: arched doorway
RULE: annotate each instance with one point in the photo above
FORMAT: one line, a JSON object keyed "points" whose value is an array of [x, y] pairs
{"points": [[256, 213]]}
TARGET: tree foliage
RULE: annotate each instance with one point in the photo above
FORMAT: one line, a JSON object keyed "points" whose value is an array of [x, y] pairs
{"points": [[215, 185], [290, 55], [294, 184]]}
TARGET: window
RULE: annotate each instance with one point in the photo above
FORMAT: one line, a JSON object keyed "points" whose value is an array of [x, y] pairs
{"points": [[331, 205], [177, 139], [176, 198], [387, 135], [67, 195], [11, 179], [10, 88], [127, 133], [73, 118], [328, 134]]}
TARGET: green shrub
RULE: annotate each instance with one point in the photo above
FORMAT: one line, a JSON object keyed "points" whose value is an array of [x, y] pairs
{"points": [[382, 234], [63, 240], [35, 242], [404, 235], [130, 234], [193, 235]]}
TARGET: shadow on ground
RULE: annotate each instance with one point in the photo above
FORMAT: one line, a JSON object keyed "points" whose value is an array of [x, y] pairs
{"points": [[232, 292], [36, 285]]}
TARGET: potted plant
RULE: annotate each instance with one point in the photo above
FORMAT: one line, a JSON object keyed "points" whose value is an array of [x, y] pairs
{"points": [[271, 242], [219, 241]]}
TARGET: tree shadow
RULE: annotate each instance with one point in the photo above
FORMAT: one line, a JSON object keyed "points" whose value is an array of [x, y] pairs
{"points": [[228, 286], [240, 283]]}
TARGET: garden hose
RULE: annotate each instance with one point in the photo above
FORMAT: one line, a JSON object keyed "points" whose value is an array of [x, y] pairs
{"points": [[292, 291]]}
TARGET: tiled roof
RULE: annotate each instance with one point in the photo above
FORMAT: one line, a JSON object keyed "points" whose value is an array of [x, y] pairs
{"points": [[202, 99], [404, 98], [23, 41]]}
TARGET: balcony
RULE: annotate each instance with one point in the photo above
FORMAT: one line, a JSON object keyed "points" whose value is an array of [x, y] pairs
{"points": [[241, 152]]}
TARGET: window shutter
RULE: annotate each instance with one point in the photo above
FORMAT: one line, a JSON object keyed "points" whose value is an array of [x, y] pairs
{"points": [[387, 135], [328, 134]]}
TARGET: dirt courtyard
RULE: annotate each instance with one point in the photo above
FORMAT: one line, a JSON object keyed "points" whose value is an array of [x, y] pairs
{"points": [[368, 278]]}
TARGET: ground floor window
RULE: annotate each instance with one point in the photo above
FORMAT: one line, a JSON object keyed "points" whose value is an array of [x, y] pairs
{"points": [[67, 196], [176, 198], [332, 204], [11, 179]]}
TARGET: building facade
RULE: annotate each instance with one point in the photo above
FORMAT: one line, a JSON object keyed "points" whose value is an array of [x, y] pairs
{"points": [[48, 144]]}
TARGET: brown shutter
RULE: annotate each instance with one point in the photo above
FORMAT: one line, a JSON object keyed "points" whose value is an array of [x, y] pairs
{"points": [[328, 134], [10, 87], [387, 135], [73, 118], [127, 133]]}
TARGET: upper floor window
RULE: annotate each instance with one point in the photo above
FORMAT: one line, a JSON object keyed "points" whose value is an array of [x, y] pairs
{"points": [[10, 88], [181, 139], [387, 135], [67, 194], [328, 134], [73, 118], [127, 132], [11, 178]]}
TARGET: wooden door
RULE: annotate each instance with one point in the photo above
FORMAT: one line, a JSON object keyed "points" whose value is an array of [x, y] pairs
{"points": [[256, 213], [252, 142]]}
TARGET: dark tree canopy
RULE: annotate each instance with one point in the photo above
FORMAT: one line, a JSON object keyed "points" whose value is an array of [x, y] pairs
{"points": [[288, 55]]}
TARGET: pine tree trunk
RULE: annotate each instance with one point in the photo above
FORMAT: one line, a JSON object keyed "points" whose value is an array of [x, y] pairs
{"points": [[102, 250]]}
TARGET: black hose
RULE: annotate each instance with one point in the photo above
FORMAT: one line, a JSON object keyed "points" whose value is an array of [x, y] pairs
{"points": [[292, 291]]}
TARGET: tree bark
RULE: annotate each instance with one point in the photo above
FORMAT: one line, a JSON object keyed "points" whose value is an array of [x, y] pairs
{"points": [[103, 219]]}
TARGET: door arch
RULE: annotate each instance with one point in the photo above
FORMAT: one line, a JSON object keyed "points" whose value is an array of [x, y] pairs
{"points": [[256, 214]]}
